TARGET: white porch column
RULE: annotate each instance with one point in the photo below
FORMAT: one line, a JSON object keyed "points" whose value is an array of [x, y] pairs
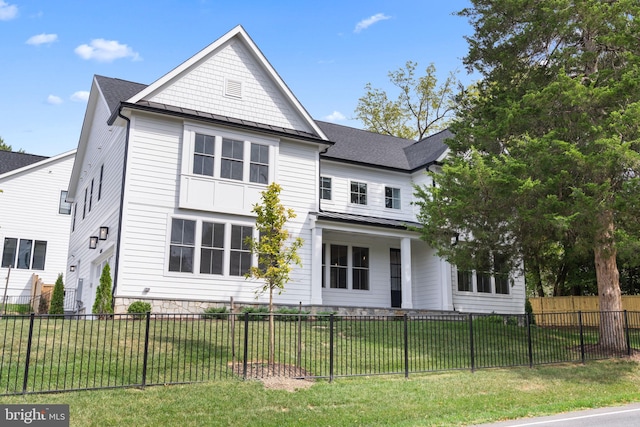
{"points": [[446, 280], [316, 265], [405, 255]]}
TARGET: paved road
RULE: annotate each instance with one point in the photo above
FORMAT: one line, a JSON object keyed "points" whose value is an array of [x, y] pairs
{"points": [[620, 416]]}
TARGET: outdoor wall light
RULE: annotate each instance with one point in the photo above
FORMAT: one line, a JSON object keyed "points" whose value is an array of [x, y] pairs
{"points": [[93, 242], [72, 268], [104, 232]]}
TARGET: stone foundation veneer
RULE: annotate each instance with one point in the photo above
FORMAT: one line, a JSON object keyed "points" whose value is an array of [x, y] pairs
{"points": [[166, 306]]}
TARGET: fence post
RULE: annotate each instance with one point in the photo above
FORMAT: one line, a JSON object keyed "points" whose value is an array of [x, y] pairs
{"points": [[529, 339], [473, 363], [299, 358], [246, 345], [29, 343], [406, 345], [581, 337], [331, 347], [626, 333], [146, 349]]}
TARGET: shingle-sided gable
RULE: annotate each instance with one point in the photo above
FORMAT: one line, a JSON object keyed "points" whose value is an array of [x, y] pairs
{"points": [[231, 78], [10, 160]]}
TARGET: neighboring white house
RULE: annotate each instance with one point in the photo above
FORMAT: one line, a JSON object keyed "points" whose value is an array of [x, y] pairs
{"points": [[166, 176], [34, 219]]}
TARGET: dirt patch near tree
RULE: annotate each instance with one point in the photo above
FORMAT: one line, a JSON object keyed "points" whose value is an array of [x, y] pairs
{"points": [[276, 376]]}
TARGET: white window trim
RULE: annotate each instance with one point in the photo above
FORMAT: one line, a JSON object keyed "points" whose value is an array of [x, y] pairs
{"points": [[350, 267], [474, 286], [188, 149], [198, 246], [351, 181]]}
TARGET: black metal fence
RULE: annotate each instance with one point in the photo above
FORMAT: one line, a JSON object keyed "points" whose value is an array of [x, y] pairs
{"points": [[25, 304], [60, 353]]}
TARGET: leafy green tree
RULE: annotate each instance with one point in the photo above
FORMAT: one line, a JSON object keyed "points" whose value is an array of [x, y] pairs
{"points": [[276, 252], [57, 298], [422, 106], [545, 155], [102, 305], [4, 146]]}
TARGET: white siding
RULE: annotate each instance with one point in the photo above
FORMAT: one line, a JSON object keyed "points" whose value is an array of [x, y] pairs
{"points": [[427, 279], [342, 175], [104, 150], [478, 302], [203, 89], [152, 195], [29, 206]]}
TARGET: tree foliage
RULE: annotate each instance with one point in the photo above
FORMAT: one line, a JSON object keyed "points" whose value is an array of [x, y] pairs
{"points": [[4, 146], [102, 306], [544, 165], [276, 251], [57, 298], [422, 106]]}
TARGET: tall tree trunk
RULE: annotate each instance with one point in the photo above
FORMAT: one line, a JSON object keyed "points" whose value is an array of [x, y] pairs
{"points": [[537, 277], [611, 316]]}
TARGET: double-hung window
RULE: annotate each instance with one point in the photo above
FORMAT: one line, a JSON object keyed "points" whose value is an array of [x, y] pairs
{"points": [[232, 162], [65, 207], [360, 268], [212, 248], [325, 188], [392, 198], [240, 254], [339, 267], [203, 155], [358, 193], [465, 281], [501, 274], [182, 246], [259, 166]]}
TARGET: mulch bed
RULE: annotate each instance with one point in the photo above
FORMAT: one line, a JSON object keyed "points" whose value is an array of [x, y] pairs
{"points": [[276, 376]]}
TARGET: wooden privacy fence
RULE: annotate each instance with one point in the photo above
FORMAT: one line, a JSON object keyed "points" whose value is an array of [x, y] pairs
{"points": [[552, 305]]}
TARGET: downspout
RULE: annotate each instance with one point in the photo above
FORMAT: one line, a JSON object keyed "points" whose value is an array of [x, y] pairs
{"points": [[121, 213]]}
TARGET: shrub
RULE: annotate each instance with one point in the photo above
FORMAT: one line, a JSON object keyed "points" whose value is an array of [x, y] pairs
{"points": [[57, 298], [43, 304], [215, 313], [291, 314], [102, 305], [139, 309], [256, 313]]}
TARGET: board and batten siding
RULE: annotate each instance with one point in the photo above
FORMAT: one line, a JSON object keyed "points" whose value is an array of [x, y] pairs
{"points": [[260, 100], [342, 175], [30, 202], [152, 199]]}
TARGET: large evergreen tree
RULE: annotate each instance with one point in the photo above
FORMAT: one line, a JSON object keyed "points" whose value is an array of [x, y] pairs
{"points": [[545, 158]]}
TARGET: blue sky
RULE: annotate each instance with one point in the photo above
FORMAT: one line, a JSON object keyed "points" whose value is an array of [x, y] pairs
{"points": [[325, 51]]}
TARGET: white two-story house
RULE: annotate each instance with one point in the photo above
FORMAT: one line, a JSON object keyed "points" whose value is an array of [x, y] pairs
{"points": [[166, 176], [34, 222]]}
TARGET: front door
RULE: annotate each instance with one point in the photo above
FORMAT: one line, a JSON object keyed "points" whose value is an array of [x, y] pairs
{"points": [[396, 278]]}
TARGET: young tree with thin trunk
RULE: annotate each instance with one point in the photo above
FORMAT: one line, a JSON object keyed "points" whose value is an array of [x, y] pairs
{"points": [[546, 153], [276, 251]]}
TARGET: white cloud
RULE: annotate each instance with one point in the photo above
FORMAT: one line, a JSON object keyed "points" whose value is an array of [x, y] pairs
{"points": [[54, 100], [366, 23], [336, 116], [42, 39], [7, 11], [80, 96], [106, 51]]}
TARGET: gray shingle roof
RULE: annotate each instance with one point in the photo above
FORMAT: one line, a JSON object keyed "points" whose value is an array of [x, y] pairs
{"points": [[117, 90], [369, 148], [350, 144], [11, 160]]}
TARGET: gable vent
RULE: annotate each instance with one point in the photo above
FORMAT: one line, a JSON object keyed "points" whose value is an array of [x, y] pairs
{"points": [[233, 88]]}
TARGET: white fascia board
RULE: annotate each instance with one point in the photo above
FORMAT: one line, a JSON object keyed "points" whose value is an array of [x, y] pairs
{"points": [[240, 33]]}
